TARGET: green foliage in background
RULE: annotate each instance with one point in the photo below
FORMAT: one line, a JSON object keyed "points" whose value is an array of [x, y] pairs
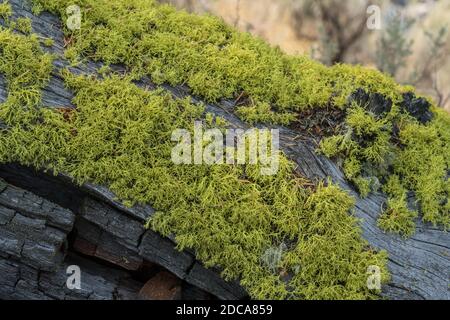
{"points": [[393, 48]]}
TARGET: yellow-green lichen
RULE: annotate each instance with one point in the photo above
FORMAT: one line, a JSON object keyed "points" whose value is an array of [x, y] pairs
{"points": [[318, 261], [232, 217], [213, 59], [5, 11], [397, 217], [27, 70], [48, 42], [120, 135], [414, 155], [23, 25], [216, 62], [423, 164]]}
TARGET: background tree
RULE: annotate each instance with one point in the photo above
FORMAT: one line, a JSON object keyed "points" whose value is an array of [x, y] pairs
{"points": [[340, 24]]}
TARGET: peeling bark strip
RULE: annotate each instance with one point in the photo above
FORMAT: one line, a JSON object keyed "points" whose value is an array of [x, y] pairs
{"points": [[33, 231]]}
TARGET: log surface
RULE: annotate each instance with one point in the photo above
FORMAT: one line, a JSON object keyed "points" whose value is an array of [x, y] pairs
{"points": [[419, 266]]}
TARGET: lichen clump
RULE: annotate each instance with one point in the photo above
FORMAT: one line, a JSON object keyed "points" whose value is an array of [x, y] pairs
{"points": [[217, 62], [281, 238], [211, 58], [120, 135], [404, 154], [5, 11], [23, 25]]}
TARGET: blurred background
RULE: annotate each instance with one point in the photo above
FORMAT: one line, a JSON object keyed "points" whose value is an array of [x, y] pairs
{"points": [[411, 40]]}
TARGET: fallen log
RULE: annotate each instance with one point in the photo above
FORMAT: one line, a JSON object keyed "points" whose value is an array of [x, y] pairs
{"points": [[108, 230], [41, 239]]}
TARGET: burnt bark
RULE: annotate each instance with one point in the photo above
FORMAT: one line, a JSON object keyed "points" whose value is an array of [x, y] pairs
{"points": [[40, 235], [43, 217]]}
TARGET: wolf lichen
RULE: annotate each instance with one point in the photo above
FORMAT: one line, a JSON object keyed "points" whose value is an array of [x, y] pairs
{"points": [[232, 216], [213, 59], [23, 25], [217, 62], [27, 70], [5, 11], [424, 165], [397, 146], [48, 42], [397, 217], [120, 135], [320, 271]]}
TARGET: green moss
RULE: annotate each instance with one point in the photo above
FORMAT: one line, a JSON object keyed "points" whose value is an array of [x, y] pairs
{"points": [[335, 145], [352, 167], [394, 187], [261, 112], [213, 59], [319, 260], [49, 42], [423, 165], [363, 185], [398, 218], [5, 10], [230, 215], [217, 62], [27, 70], [415, 157], [23, 25], [37, 9], [363, 123], [104, 70], [120, 135]]}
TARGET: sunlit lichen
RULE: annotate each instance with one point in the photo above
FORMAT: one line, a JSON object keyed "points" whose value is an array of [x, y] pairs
{"points": [[414, 154], [5, 11], [119, 135], [213, 59], [23, 25], [230, 215], [48, 42]]}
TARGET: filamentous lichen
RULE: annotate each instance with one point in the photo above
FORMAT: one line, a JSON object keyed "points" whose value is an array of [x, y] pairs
{"points": [[5, 11], [407, 150], [217, 62], [120, 135]]}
